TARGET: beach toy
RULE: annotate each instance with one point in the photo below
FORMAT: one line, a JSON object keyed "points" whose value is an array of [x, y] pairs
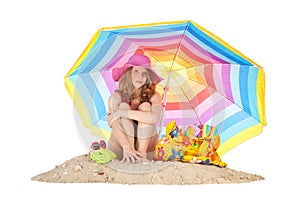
{"points": [[102, 156], [204, 151]]}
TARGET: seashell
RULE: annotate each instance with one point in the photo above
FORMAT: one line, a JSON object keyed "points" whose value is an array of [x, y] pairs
{"points": [[77, 168], [100, 172]]}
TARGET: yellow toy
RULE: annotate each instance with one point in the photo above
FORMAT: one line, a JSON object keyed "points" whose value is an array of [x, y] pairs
{"points": [[204, 151]]}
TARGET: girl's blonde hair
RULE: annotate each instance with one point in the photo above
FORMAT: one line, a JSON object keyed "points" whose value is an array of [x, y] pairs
{"points": [[143, 93]]}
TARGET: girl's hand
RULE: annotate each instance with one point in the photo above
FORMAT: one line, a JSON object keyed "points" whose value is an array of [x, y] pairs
{"points": [[130, 155]]}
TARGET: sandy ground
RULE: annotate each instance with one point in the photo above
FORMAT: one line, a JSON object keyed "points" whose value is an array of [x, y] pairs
{"points": [[82, 169]]}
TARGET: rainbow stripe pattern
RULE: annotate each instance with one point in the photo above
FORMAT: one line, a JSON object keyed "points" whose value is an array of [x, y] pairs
{"points": [[208, 81]]}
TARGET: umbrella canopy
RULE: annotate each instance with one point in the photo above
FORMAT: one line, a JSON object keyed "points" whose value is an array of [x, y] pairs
{"points": [[206, 81]]}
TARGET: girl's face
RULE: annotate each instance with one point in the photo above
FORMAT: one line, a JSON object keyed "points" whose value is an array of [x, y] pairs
{"points": [[139, 76]]}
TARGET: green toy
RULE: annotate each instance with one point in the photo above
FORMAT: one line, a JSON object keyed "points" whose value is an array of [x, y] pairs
{"points": [[102, 156]]}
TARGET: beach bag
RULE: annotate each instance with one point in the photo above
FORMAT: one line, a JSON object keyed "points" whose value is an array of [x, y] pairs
{"points": [[194, 144], [173, 145]]}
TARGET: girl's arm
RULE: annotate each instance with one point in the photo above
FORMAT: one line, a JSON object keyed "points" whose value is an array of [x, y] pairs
{"points": [[113, 105], [148, 117]]}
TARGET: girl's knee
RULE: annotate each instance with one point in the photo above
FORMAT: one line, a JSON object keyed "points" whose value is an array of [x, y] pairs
{"points": [[146, 106], [124, 106]]}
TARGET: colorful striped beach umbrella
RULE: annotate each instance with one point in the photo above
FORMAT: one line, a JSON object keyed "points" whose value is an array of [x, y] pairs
{"points": [[206, 81]]}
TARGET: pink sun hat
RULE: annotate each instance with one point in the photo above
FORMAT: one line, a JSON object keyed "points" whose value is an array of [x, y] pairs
{"points": [[136, 60]]}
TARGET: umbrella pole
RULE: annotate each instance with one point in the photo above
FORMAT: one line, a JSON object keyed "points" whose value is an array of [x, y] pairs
{"points": [[166, 89]]}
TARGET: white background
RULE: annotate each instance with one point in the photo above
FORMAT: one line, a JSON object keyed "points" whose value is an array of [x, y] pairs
{"points": [[40, 41]]}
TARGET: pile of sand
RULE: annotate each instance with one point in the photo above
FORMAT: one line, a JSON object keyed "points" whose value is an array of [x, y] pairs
{"points": [[82, 169]]}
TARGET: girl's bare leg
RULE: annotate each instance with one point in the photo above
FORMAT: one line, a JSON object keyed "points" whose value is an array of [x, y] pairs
{"points": [[151, 148], [146, 134], [122, 133], [127, 125], [114, 141]]}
